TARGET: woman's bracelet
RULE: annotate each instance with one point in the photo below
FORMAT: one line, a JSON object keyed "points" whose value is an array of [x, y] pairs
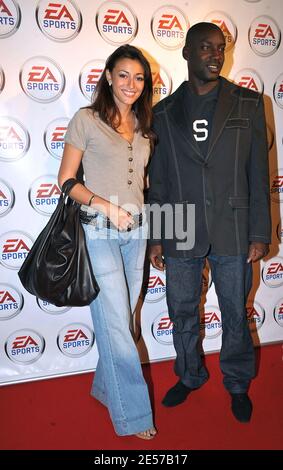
{"points": [[91, 199]]}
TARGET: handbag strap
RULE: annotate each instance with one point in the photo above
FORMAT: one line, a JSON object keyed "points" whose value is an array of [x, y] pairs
{"points": [[68, 185]]}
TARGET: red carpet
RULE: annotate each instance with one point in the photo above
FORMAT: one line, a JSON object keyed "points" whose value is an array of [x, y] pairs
{"points": [[60, 414]]}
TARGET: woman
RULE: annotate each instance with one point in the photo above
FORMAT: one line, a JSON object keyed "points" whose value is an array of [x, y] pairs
{"points": [[112, 138]]}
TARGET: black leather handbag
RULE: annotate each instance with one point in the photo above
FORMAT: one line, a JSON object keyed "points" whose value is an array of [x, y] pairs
{"points": [[58, 268]]}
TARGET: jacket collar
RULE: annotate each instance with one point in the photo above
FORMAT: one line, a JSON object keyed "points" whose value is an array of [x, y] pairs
{"points": [[177, 113], [224, 107]]}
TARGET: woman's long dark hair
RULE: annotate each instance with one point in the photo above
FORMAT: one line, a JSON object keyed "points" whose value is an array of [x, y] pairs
{"points": [[103, 101]]}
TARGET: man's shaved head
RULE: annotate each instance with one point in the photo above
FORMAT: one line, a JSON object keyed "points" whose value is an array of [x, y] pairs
{"points": [[198, 30]]}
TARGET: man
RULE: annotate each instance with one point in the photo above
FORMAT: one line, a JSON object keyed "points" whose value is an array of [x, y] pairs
{"points": [[212, 153]]}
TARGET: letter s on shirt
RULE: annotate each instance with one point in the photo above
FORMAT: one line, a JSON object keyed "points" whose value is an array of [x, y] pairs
{"points": [[201, 132]]}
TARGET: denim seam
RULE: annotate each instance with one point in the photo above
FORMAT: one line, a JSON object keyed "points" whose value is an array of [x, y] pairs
{"points": [[134, 419], [113, 362]]}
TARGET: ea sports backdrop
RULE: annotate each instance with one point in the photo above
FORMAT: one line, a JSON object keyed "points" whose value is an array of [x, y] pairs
{"points": [[52, 55]]}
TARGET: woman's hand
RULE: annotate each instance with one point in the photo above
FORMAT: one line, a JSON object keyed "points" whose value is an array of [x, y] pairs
{"points": [[122, 219]]}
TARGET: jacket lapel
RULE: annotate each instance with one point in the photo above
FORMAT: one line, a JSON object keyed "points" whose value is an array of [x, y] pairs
{"points": [[178, 116], [224, 107]]}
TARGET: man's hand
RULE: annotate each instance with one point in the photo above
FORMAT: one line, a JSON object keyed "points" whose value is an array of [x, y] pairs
{"points": [[156, 258], [257, 251]]}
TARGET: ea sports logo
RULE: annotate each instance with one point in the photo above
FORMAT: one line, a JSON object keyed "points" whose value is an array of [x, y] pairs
{"points": [[210, 322], [278, 91], [10, 17], [50, 308], [24, 346], [276, 185], [89, 76], [44, 194], [169, 26], [162, 329], [272, 272], [54, 137], [42, 79], [14, 139], [264, 36], [11, 301], [255, 315], [278, 312], [161, 82], [7, 198], [60, 21], [116, 23], [14, 248], [227, 26], [2, 79], [155, 289], [75, 340], [249, 78]]}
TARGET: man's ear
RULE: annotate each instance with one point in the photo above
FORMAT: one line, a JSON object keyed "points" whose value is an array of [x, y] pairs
{"points": [[186, 52]]}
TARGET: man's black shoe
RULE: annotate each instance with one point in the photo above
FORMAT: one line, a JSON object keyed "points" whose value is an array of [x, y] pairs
{"points": [[241, 407], [176, 394]]}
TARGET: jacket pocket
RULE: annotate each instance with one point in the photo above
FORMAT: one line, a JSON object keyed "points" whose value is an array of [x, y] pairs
{"points": [[239, 202], [242, 123]]}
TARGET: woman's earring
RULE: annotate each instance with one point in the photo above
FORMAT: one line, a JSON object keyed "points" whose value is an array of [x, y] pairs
{"points": [[110, 83]]}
